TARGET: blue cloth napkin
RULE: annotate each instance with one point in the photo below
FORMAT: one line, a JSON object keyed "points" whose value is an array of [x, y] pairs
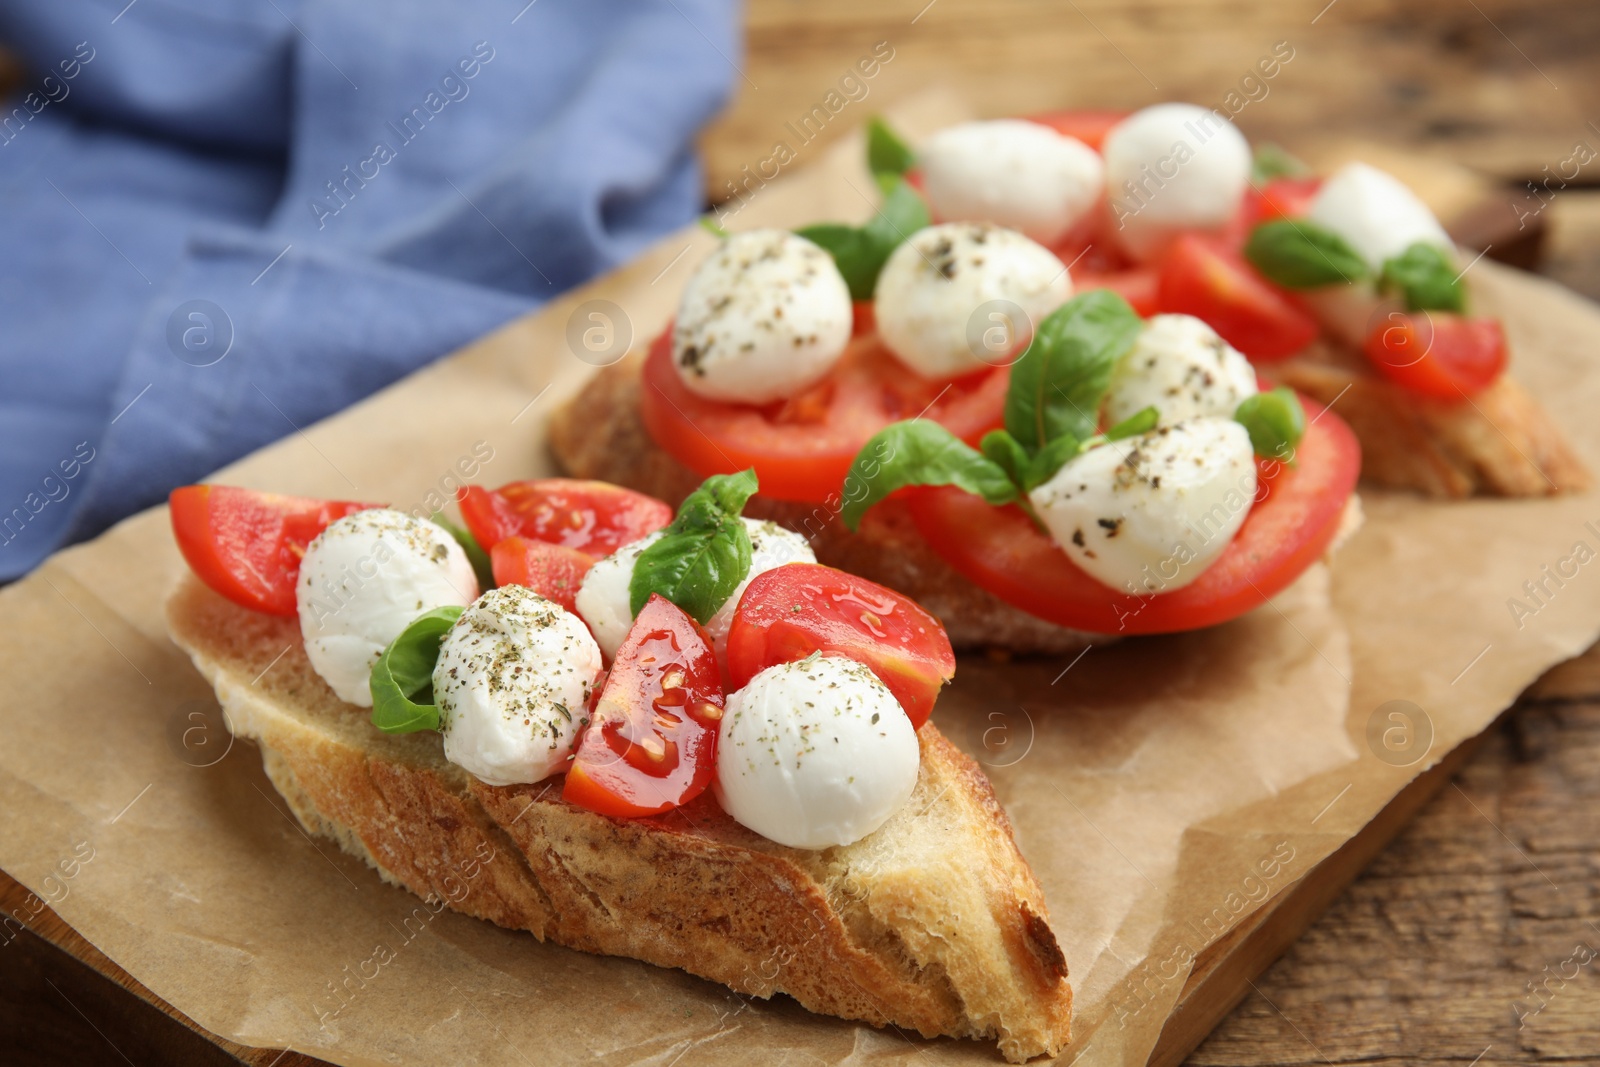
{"points": [[224, 219]]}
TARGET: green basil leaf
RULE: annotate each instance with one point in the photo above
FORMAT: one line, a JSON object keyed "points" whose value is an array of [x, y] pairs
{"points": [[1139, 422], [1050, 459], [1276, 422], [1425, 275], [1298, 254], [405, 671], [481, 566], [887, 152], [1002, 450], [921, 452], [1059, 380], [903, 213], [713, 227], [860, 252], [1271, 161], [704, 554], [849, 247]]}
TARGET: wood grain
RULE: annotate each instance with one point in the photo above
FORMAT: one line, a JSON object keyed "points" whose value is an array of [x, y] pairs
{"points": [[1475, 933], [1505, 86]]}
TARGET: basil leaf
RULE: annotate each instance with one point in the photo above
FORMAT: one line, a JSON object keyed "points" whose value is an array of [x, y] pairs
{"points": [[1059, 380], [1049, 460], [1004, 452], [1425, 275], [887, 153], [1276, 422], [1272, 161], [860, 252], [713, 227], [920, 452], [703, 556], [405, 670], [903, 213], [481, 566], [852, 253], [1139, 422], [1302, 255]]}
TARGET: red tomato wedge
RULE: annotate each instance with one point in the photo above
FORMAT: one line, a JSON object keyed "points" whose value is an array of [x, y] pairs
{"points": [[801, 448], [651, 743], [248, 545], [1001, 550], [596, 518], [792, 611], [1281, 198], [1200, 278], [1138, 286], [552, 571], [1437, 354], [1089, 125]]}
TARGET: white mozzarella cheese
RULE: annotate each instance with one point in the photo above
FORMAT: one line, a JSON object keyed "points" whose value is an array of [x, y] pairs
{"points": [[363, 580], [815, 753], [1149, 514], [766, 315]]}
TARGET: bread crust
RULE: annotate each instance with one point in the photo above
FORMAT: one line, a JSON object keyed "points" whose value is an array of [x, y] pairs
{"points": [[933, 923], [1501, 442], [600, 434]]}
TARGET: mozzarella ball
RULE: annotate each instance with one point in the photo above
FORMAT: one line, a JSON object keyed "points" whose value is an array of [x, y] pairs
{"points": [[1169, 168], [512, 683], [1375, 213], [815, 753], [1013, 173], [938, 280], [363, 580], [1151, 513], [1183, 369], [603, 598], [766, 315]]}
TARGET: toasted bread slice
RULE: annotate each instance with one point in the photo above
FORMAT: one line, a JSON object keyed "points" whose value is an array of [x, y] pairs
{"points": [[933, 923], [1498, 443], [601, 435]]}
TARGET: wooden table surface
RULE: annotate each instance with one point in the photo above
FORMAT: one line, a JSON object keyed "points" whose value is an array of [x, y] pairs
{"points": [[1473, 938]]}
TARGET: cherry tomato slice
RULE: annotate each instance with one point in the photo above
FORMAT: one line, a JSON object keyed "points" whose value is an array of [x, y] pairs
{"points": [[1290, 526], [1089, 125], [651, 743], [792, 611], [553, 571], [1200, 278], [596, 518], [1435, 353], [802, 447], [248, 545]]}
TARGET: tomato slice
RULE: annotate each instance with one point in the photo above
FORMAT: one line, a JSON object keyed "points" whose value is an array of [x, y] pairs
{"points": [[596, 518], [1001, 550], [1438, 354], [553, 571], [248, 545], [651, 743], [1138, 286], [1200, 278], [1282, 198], [792, 611], [1089, 125], [802, 447]]}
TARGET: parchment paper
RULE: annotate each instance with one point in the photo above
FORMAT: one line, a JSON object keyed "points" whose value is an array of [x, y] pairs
{"points": [[1163, 789]]}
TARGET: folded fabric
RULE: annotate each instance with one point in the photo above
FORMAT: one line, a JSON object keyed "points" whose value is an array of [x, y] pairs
{"points": [[228, 219]]}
